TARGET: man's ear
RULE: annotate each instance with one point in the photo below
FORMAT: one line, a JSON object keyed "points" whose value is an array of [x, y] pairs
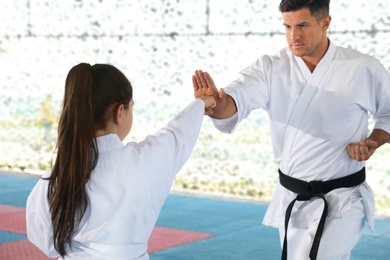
{"points": [[326, 22], [118, 114]]}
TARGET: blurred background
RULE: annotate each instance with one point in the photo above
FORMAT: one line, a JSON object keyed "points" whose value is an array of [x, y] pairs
{"points": [[158, 44]]}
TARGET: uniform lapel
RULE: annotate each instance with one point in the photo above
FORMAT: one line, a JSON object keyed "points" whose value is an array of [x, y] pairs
{"points": [[311, 83]]}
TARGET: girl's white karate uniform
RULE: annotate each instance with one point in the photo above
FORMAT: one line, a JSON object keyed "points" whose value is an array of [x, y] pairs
{"points": [[313, 117], [125, 193]]}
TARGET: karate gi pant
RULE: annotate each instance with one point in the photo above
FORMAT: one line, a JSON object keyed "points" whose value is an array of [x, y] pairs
{"points": [[340, 235]]}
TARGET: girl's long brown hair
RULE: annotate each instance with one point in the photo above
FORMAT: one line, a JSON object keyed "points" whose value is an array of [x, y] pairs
{"points": [[92, 94]]}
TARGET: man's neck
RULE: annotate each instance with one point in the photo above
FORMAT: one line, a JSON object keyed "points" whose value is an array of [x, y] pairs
{"points": [[313, 60]]}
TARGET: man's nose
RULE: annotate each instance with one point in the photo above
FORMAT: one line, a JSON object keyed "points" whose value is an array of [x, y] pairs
{"points": [[294, 34]]}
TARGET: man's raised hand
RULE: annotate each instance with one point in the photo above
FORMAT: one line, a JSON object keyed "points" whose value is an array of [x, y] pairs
{"points": [[204, 86]]}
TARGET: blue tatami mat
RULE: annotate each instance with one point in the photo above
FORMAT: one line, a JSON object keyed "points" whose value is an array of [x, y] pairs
{"points": [[235, 225]]}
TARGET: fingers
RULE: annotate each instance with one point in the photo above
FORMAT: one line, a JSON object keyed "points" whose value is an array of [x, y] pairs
{"points": [[208, 80], [359, 152], [209, 102], [200, 79], [195, 83], [203, 79], [204, 84]]}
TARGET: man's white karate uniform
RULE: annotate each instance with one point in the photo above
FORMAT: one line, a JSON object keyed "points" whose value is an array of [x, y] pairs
{"points": [[313, 117], [125, 193]]}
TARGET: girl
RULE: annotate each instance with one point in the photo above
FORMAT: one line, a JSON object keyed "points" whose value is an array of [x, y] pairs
{"points": [[101, 199]]}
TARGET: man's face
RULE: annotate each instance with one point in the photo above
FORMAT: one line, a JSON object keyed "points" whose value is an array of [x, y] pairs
{"points": [[304, 33]]}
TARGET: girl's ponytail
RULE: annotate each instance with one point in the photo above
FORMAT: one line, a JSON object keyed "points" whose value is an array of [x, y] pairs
{"points": [[76, 156]]}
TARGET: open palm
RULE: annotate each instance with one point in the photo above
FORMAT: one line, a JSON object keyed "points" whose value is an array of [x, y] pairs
{"points": [[203, 85]]}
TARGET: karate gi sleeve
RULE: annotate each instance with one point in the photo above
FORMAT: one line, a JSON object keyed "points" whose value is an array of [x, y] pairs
{"points": [[39, 228], [251, 90], [168, 150], [381, 97]]}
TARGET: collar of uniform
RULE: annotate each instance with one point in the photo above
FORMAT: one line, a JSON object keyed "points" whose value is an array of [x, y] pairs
{"points": [[108, 142]]}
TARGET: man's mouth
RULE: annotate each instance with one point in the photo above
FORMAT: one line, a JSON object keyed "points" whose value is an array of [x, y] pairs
{"points": [[297, 45]]}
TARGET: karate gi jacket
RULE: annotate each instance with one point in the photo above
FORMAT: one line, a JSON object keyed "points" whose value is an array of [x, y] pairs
{"points": [[313, 117], [126, 191]]}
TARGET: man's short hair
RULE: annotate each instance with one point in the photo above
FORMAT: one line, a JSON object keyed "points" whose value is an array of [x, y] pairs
{"points": [[318, 8]]}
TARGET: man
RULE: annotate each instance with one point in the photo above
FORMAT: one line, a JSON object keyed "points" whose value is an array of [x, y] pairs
{"points": [[317, 96]]}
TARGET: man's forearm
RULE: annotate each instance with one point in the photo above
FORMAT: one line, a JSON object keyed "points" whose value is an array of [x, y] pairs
{"points": [[379, 136], [228, 110]]}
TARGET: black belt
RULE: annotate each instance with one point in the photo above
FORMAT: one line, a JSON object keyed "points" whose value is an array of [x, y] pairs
{"points": [[315, 189]]}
